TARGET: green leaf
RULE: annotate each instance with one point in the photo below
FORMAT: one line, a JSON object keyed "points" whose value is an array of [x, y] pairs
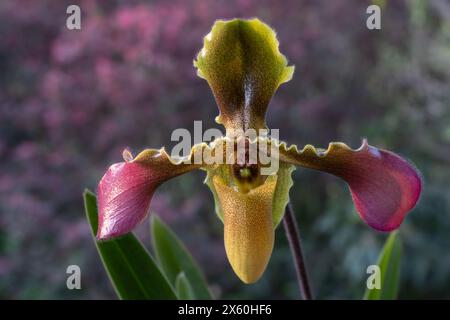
{"points": [[131, 269], [389, 264], [174, 258], [183, 287]]}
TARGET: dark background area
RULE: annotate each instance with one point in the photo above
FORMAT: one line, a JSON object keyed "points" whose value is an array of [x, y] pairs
{"points": [[70, 101]]}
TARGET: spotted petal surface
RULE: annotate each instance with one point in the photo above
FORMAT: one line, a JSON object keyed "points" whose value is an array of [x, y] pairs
{"points": [[241, 61]]}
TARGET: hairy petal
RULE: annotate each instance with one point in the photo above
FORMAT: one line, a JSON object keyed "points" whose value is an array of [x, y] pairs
{"points": [[384, 186], [126, 189], [243, 66], [248, 227]]}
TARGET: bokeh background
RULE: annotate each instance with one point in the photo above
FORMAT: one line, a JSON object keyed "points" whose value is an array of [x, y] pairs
{"points": [[70, 101]]}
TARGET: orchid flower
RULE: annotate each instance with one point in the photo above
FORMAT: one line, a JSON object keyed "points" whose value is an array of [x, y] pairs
{"points": [[243, 66]]}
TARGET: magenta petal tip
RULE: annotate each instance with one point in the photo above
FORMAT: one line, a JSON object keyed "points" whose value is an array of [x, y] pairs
{"points": [[384, 189], [124, 195]]}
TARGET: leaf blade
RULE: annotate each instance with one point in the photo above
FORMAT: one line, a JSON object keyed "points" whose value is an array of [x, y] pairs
{"points": [[389, 263], [174, 258], [183, 287], [131, 269]]}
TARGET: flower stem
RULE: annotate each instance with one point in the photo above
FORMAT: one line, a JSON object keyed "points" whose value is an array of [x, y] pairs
{"points": [[293, 236]]}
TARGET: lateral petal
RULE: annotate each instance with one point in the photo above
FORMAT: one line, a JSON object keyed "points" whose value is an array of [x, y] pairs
{"points": [[126, 189], [384, 186]]}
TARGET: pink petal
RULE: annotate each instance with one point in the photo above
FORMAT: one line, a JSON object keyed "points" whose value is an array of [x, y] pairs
{"points": [[126, 189], [384, 186], [124, 195]]}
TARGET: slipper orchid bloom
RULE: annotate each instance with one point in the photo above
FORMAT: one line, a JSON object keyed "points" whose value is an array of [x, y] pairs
{"points": [[242, 64]]}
